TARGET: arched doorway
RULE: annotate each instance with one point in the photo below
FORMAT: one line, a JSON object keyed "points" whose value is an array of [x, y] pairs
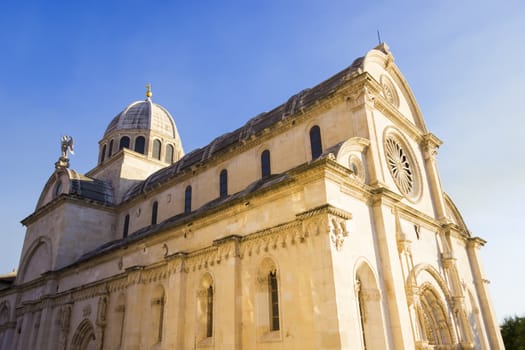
{"points": [[84, 337]]}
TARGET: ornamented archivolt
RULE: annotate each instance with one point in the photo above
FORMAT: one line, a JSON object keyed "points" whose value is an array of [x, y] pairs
{"points": [[401, 165]]}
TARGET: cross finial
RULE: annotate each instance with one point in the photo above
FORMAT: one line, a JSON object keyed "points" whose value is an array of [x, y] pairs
{"points": [[148, 92]]}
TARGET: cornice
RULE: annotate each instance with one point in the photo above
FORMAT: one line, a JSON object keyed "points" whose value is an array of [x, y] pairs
{"points": [[324, 209], [63, 198]]}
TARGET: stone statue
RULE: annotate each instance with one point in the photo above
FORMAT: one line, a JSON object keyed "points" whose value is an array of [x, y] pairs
{"points": [[66, 143]]}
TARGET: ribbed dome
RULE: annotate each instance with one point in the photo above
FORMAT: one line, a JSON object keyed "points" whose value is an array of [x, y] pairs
{"points": [[144, 115]]}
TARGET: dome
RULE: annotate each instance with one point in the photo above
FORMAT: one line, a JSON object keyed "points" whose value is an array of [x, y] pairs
{"points": [[144, 115]]}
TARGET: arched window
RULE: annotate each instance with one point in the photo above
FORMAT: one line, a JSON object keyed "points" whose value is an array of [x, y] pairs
{"points": [[140, 143], [265, 163], [124, 143], [103, 154], [126, 226], [169, 154], [315, 141], [369, 309], [223, 183], [154, 210], [273, 292], [205, 301], [156, 149], [187, 200], [209, 312], [110, 152]]}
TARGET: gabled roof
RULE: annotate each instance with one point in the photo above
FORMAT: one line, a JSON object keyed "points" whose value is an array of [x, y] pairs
{"points": [[289, 109]]}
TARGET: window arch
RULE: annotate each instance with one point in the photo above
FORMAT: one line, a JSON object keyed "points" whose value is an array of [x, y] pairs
{"points": [[223, 183], [169, 154], [103, 154], [268, 306], [154, 212], [126, 226], [4, 313], [140, 143], [265, 164], [84, 337], [205, 307], [273, 292], [369, 308], [156, 149], [124, 142], [187, 200], [110, 151], [315, 141], [209, 312]]}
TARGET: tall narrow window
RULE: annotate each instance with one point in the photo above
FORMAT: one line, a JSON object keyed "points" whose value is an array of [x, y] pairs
{"points": [[187, 200], [273, 293], [126, 226], [209, 312], [140, 143], [103, 154], [315, 141], [265, 163], [156, 149], [110, 152], [223, 183], [154, 210], [124, 143], [169, 154]]}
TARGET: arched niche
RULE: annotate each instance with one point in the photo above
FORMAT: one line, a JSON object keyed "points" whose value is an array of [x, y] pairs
{"points": [[369, 307], [37, 260]]}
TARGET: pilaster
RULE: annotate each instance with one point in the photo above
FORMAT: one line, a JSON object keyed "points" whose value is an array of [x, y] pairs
{"points": [[134, 306], [480, 283], [228, 324], [430, 144], [176, 310], [390, 269]]}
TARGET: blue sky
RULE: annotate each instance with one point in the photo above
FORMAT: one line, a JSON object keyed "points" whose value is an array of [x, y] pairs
{"points": [[69, 67]]}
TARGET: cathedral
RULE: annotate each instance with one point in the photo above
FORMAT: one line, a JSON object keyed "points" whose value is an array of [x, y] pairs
{"points": [[321, 224]]}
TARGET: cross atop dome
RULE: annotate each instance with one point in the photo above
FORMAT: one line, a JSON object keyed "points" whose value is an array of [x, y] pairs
{"points": [[148, 92]]}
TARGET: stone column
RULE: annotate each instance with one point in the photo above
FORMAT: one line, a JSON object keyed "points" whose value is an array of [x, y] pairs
{"points": [[228, 293], [430, 145], [390, 271], [134, 308], [480, 282]]}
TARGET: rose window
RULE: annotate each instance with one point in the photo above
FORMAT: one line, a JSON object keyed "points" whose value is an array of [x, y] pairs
{"points": [[399, 165]]}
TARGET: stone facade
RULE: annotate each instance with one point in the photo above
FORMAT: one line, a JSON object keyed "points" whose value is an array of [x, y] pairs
{"points": [[321, 224]]}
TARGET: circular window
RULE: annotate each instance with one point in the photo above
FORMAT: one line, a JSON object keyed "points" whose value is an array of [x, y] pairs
{"points": [[58, 189], [356, 165], [389, 90], [401, 166]]}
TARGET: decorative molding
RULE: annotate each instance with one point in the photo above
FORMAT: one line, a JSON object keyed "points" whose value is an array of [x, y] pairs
{"points": [[86, 311]]}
